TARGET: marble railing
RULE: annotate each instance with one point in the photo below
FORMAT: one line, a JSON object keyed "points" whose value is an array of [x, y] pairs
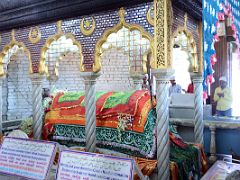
{"points": [[10, 125], [212, 123]]}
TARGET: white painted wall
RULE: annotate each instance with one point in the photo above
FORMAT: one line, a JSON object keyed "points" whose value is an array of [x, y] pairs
{"points": [[115, 74], [19, 94], [69, 73]]}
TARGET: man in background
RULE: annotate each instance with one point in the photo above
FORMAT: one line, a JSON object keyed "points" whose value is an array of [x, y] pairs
{"points": [[174, 87], [223, 98], [145, 85]]}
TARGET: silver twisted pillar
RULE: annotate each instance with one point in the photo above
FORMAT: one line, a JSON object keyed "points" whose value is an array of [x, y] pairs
{"points": [[1, 104], [90, 110], [52, 81], [163, 146], [198, 107], [37, 105]]}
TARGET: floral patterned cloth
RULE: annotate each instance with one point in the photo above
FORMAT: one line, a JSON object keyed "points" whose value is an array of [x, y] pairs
{"points": [[125, 123]]}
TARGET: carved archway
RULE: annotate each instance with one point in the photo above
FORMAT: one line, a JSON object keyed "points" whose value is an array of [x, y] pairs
{"points": [[195, 62], [115, 29], [43, 69], [11, 49], [17, 84]]}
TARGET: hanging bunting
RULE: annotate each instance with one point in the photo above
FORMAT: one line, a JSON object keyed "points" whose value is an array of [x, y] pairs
{"points": [[214, 13]]}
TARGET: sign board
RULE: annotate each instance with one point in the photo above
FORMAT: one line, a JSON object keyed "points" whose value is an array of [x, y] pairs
{"points": [[26, 158], [220, 170], [76, 165]]}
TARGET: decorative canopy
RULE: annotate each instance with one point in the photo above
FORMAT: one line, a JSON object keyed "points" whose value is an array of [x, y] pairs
{"points": [[15, 14]]}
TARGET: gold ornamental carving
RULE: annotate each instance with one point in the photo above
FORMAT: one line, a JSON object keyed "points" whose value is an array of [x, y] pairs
{"points": [[34, 35], [13, 33], [8, 47], [87, 27], [169, 33], [185, 20], [117, 27], [160, 34], [150, 15], [195, 63], [59, 26], [121, 14], [43, 69], [200, 60]]}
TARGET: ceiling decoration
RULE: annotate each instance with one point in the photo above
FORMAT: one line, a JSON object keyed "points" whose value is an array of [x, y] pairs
{"points": [[192, 7], [15, 13]]}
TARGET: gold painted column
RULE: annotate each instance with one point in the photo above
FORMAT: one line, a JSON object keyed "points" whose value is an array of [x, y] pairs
{"points": [[162, 71]]}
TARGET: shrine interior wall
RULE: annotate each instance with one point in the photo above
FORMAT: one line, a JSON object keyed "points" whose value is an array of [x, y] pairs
{"points": [[17, 89], [115, 68], [115, 72], [69, 75]]}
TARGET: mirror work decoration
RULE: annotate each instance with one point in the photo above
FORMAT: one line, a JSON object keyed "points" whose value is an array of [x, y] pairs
{"points": [[9, 51], [87, 26], [34, 35], [56, 47], [132, 39]]}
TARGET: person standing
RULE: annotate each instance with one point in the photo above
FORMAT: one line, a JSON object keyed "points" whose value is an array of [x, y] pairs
{"points": [[223, 98], [145, 84], [174, 87]]}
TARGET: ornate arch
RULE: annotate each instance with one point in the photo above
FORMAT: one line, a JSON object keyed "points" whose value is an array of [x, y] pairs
{"points": [[6, 50], [115, 29], [196, 62], [43, 69]]}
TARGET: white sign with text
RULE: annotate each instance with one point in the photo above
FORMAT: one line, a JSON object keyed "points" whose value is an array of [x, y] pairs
{"points": [[76, 165], [26, 158]]}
